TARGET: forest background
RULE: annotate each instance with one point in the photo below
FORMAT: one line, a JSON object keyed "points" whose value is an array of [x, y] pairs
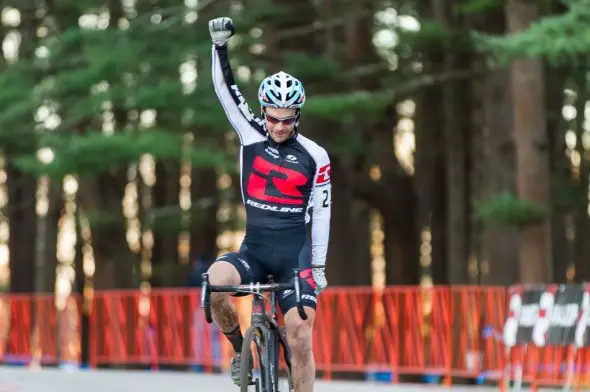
{"points": [[458, 132]]}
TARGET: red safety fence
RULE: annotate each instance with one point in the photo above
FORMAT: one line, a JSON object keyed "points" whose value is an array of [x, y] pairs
{"points": [[446, 332], [33, 328]]}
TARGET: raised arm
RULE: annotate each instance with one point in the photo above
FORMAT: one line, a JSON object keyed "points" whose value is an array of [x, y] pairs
{"points": [[250, 128]]}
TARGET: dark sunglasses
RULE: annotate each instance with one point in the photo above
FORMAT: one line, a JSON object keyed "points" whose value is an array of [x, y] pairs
{"points": [[285, 120]]}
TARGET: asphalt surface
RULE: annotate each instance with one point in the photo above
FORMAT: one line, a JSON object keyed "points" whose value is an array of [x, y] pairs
{"points": [[18, 379]]}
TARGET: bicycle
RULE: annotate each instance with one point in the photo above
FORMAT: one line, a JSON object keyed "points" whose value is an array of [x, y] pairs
{"points": [[264, 330]]}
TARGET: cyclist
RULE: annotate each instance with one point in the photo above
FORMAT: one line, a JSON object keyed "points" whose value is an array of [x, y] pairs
{"points": [[284, 177]]}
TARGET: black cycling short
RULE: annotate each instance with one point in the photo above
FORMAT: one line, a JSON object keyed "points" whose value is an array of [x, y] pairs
{"points": [[277, 252]]}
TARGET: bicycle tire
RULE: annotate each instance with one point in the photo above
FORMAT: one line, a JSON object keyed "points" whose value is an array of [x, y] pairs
{"points": [[253, 335]]}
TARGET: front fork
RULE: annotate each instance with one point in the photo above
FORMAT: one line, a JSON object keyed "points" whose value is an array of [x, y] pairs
{"points": [[271, 348], [272, 353]]}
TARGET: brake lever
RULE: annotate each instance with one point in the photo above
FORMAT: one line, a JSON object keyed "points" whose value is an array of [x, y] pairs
{"points": [[296, 284], [205, 302]]}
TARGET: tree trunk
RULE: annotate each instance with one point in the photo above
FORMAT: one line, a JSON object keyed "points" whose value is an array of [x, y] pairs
{"points": [[429, 180], [204, 230], [167, 227], [46, 238], [560, 171], [22, 187], [401, 232], [532, 152], [116, 266], [349, 262], [393, 195], [80, 289], [456, 129], [500, 244], [430, 170], [22, 217], [494, 162]]}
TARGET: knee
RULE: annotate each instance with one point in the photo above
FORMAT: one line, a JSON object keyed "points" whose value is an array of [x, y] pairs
{"points": [[218, 300], [223, 273], [299, 336]]}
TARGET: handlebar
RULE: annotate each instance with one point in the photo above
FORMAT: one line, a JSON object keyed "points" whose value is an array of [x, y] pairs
{"points": [[252, 288]]}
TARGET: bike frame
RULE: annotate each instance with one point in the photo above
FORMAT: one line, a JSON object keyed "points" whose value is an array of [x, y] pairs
{"points": [[269, 326]]}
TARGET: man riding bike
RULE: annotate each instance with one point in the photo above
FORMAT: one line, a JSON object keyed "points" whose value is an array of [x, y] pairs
{"points": [[284, 175]]}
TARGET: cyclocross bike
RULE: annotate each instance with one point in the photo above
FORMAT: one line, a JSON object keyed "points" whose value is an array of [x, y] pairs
{"points": [[264, 330]]}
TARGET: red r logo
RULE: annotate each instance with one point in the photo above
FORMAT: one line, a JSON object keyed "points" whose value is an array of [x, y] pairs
{"points": [[324, 174], [285, 180]]}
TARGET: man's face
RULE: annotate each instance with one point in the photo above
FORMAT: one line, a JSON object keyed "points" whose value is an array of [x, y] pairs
{"points": [[280, 123]]}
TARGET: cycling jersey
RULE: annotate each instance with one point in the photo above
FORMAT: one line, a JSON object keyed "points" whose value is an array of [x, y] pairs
{"points": [[284, 186]]}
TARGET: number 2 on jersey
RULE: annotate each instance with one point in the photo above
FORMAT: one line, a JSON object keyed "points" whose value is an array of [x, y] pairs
{"points": [[325, 202]]}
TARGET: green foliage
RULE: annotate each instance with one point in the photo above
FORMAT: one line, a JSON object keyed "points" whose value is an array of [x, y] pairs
{"points": [[567, 195], [307, 67], [96, 152], [103, 219], [345, 105], [561, 39], [89, 73], [166, 220], [478, 6], [507, 209]]}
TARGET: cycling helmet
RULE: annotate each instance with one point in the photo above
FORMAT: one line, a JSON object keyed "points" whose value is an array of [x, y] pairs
{"points": [[281, 90]]}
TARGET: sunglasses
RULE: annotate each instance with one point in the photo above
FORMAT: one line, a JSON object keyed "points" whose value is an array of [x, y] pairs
{"points": [[285, 120]]}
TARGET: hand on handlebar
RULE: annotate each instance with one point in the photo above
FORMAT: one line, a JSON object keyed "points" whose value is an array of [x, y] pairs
{"points": [[207, 289]]}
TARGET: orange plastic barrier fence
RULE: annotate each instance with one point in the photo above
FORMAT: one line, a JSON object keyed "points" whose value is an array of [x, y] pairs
{"points": [[33, 329], [445, 332]]}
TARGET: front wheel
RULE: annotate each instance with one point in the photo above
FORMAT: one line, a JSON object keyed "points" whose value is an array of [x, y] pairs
{"points": [[253, 350]]}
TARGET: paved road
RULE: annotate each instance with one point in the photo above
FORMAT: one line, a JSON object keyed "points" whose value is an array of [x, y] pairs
{"points": [[13, 379]]}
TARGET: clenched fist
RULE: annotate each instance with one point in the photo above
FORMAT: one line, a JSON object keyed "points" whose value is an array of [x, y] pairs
{"points": [[221, 29]]}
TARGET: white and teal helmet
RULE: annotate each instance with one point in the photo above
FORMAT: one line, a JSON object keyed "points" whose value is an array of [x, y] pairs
{"points": [[281, 90]]}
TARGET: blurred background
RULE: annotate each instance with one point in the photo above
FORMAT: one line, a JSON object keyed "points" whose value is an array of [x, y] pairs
{"points": [[458, 132]]}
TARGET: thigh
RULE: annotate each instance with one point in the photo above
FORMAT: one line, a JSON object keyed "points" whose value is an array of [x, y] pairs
{"points": [[249, 269], [301, 259]]}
